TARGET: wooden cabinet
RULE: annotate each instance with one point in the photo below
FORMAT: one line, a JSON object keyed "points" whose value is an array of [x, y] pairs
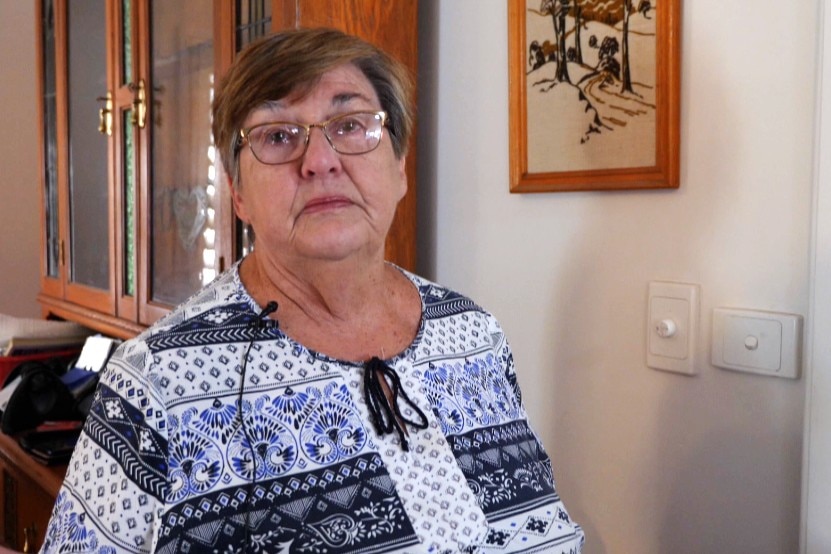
{"points": [[28, 490], [136, 212]]}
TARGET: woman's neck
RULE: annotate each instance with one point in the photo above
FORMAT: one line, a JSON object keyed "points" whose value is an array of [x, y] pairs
{"points": [[318, 288], [349, 310]]}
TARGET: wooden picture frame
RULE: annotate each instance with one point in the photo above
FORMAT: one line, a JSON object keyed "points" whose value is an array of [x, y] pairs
{"points": [[607, 119]]}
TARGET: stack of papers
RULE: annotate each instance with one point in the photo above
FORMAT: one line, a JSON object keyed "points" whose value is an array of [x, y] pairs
{"points": [[25, 336], [93, 358]]}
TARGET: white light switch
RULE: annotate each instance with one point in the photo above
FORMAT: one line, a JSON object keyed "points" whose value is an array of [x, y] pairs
{"points": [[753, 341], [672, 318]]}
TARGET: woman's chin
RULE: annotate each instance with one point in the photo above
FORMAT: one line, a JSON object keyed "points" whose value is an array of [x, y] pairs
{"points": [[335, 241], [334, 248]]}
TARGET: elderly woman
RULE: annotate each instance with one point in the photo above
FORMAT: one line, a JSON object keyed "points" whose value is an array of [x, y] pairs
{"points": [[314, 398]]}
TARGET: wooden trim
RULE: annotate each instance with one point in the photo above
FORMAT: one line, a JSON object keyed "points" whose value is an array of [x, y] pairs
{"points": [[103, 323], [111, 76], [62, 125], [144, 276], [41, 108], [225, 24], [151, 312], [123, 96], [285, 14]]}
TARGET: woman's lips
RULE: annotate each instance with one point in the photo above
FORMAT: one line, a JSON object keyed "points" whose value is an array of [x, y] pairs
{"points": [[326, 204]]}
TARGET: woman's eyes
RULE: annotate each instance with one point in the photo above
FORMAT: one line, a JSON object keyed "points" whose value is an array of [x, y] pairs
{"points": [[276, 136], [347, 126], [279, 136], [288, 135]]}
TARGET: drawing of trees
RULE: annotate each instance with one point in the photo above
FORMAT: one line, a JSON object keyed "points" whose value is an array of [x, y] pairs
{"points": [[600, 67], [626, 76], [577, 12], [558, 9]]}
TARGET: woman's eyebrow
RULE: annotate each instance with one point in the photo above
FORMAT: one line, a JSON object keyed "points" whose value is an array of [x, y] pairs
{"points": [[346, 97], [273, 104], [339, 99]]}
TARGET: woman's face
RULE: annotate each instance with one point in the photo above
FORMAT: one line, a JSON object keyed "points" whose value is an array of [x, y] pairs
{"points": [[325, 206]]}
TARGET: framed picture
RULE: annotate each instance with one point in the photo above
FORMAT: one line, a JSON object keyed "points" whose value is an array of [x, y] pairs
{"points": [[594, 94]]}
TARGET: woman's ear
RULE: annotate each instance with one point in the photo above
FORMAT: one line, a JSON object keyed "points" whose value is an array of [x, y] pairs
{"points": [[402, 172], [237, 199]]}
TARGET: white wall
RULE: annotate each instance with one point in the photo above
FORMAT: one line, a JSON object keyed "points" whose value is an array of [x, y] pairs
{"points": [[19, 161], [816, 484], [646, 461]]}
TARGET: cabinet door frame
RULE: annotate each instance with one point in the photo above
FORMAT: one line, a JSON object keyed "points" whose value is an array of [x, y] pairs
{"points": [[100, 300], [150, 310], [122, 82], [50, 286]]}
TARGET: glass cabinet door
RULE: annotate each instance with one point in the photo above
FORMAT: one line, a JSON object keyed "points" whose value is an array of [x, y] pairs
{"points": [[49, 128], [77, 158], [88, 165], [184, 177], [253, 20]]}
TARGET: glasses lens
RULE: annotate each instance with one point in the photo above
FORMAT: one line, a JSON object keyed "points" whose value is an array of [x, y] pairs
{"points": [[276, 143], [355, 133]]}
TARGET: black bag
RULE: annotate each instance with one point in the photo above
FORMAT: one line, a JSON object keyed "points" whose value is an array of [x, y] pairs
{"points": [[40, 396], [51, 447]]}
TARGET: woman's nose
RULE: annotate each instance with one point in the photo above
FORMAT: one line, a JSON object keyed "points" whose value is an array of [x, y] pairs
{"points": [[320, 157]]}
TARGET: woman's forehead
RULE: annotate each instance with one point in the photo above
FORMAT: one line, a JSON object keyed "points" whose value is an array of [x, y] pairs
{"points": [[344, 87]]}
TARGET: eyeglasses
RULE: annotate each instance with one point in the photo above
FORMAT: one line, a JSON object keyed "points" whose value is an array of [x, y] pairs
{"points": [[280, 142]]}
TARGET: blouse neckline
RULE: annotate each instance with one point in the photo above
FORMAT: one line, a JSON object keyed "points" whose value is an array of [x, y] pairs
{"points": [[400, 356]]}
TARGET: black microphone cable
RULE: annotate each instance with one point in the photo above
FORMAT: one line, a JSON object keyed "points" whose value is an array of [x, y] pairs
{"points": [[385, 412], [261, 323]]}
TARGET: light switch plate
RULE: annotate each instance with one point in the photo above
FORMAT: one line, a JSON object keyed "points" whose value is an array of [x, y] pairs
{"points": [[672, 306], [755, 341]]}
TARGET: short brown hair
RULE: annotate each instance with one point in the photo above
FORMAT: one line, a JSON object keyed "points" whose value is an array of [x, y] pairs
{"points": [[291, 63]]}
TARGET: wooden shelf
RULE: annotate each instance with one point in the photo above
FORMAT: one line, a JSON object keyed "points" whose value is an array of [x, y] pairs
{"points": [[28, 489], [48, 478]]}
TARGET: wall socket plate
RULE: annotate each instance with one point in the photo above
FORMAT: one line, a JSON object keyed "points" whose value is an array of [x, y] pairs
{"points": [[672, 326], [755, 341]]}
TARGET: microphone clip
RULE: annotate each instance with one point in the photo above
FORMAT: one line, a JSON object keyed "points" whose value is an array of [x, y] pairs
{"points": [[263, 321]]}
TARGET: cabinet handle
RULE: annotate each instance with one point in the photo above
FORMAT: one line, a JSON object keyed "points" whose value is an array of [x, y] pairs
{"points": [[28, 535], [105, 115], [139, 117]]}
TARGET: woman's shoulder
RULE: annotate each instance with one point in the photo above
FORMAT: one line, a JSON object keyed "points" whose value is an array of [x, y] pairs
{"points": [[440, 300], [221, 311], [217, 303]]}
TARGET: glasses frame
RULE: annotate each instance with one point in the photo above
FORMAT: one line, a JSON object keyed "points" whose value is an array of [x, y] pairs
{"points": [[245, 133]]}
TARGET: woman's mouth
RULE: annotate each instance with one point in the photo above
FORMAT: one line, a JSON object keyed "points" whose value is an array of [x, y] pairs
{"points": [[327, 203]]}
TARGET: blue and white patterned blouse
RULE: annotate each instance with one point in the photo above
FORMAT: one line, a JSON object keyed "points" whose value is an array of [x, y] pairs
{"points": [[165, 465]]}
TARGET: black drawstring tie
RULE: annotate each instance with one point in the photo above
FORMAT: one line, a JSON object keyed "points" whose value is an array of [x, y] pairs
{"points": [[386, 416]]}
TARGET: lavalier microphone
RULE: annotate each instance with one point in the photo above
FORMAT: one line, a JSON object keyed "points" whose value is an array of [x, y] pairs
{"points": [[265, 322]]}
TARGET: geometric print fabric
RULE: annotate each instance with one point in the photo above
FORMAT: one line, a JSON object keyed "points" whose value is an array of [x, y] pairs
{"points": [[176, 458]]}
